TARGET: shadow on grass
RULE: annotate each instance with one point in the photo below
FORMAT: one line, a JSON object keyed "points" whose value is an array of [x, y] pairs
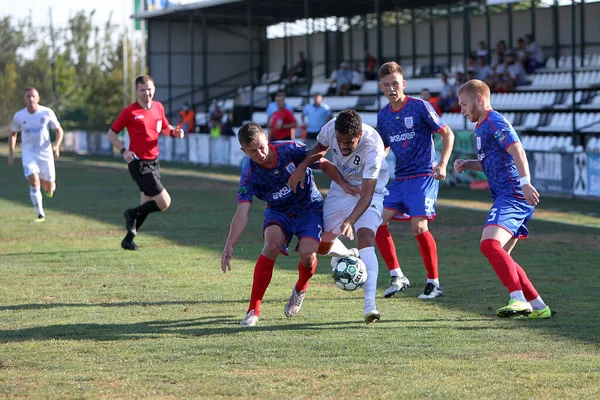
{"points": [[44, 306], [203, 326]]}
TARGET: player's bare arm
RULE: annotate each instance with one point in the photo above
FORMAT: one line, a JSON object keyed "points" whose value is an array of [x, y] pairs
{"points": [[59, 138], [461, 165], [128, 156], [440, 170], [176, 132], [368, 188], [12, 142], [334, 174], [518, 153], [315, 154], [238, 225]]}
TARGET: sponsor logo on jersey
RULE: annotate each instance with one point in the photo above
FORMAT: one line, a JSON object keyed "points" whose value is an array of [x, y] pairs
{"points": [[349, 170], [478, 142], [501, 135], [290, 168], [408, 122], [282, 192], [138, 117], [243, 190], [402, 137]]}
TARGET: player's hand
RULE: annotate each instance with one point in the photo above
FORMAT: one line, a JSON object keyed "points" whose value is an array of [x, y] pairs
{"points": [[56, 150], [11, 159], [351, 189], [347, 230], [226, 259], [178, 132], [531, 194], [439, 172], [460, 165], [129, 156], [297, 177]]}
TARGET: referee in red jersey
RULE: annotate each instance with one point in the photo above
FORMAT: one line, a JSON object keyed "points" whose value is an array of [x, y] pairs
{"points": [[145, 120]]}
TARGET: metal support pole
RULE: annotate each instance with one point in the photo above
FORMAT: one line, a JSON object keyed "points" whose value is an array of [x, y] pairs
{"points": [[488, 34], [192, 64], [509, 11], [251, 56], [582, 31], [379, 33], [555, 22], [206, 94], [413, 39], [532, 23], [285, 47], [309, 58], [365, 33], [169, 68], [431, 42], [398, 37], [573, 67], [326, 48], [449, 37]]}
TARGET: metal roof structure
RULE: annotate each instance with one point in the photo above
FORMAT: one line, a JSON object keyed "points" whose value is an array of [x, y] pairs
{"points": [[269, 12]]}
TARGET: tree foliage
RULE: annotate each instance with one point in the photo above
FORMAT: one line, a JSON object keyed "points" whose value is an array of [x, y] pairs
{"points": [[77, 69]]}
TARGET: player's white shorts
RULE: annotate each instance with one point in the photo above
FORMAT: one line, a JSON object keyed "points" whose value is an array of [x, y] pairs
{"points": [[40, 164], [338, 206]]}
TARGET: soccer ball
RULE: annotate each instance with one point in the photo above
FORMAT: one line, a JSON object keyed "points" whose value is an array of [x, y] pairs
{"points": [[349, 273]]}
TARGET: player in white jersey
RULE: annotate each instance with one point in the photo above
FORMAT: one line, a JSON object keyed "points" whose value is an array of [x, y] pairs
{"points": [[359, 155], [34, 122]]}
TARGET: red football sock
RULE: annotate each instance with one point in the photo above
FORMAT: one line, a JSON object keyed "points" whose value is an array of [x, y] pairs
{"points": [[304, 275], [263, 272], [429, 254], [528, 288], [386, 247], [502, 262]]}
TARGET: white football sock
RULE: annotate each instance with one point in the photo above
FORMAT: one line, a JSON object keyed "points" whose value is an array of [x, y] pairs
{"points": [[396, 272], [537, 303], [339, 249], [370, 259], [518, 295], [436, 282], [36, 199]]}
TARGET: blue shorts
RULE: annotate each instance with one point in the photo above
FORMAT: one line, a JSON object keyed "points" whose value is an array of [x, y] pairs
{"points": [[511, 214], [308, 225], [412, 197]]}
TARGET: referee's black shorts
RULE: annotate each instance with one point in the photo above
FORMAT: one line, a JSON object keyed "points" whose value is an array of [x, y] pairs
{"points": [[146, 173]]}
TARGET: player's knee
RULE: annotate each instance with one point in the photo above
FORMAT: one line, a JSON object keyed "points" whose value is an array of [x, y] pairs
{"points": [[489, 246], [271, 248], [307, 258], [164, 202]]}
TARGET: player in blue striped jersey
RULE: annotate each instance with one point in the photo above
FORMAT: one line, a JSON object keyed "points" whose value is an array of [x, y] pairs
{"points": [[502, 158], [407, 125], [265, 176]]}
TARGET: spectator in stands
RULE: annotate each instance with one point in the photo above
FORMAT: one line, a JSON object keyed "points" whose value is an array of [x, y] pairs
{"points": [[282, 121], [343, 79], [471, 63], [522, 52], [470, 75], [357, 78], [515, 70], [446, 94], [535, 54], [318, 114], [216, 112], [187, 119], [459, 79], [426, 95], [483, 72], [272, 107], [370, 66], [298, 71], [219, 128], [482, 50], [501, 47]]}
